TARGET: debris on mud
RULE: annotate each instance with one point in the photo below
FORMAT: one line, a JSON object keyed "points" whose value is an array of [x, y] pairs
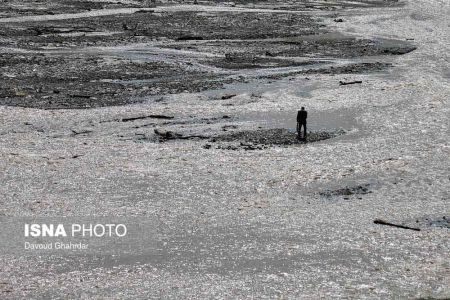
{"points": [[228, 96], [95, 62]]}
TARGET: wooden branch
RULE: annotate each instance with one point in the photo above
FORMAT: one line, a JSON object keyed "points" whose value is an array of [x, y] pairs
{"points": [[382, 222]]}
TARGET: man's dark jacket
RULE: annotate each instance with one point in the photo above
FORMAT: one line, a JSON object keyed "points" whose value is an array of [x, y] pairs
{"points": [[301, 116]]}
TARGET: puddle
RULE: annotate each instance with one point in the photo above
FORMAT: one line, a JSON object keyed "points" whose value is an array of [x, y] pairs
{"points": [[321, 120]]}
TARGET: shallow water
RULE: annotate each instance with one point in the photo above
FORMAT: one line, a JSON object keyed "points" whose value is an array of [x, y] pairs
{"points": [[320, 120]]}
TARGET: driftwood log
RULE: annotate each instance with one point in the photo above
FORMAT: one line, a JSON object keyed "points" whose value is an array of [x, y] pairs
{"points": [[350, 82], [382, 222]]}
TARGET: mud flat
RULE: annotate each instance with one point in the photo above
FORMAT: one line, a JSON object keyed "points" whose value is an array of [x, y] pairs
{"points": [[183, 114], [89, 59]]}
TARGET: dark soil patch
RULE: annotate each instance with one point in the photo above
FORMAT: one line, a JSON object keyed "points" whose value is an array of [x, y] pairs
{"points": [[435, 221], [347, 191], [243, 140], [275, 137]]}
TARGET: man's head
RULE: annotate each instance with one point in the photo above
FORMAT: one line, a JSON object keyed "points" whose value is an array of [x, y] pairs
{"points": [[303, 108]]}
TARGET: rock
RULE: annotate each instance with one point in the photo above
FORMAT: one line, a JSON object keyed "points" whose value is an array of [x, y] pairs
{"points": [[228, 96]]}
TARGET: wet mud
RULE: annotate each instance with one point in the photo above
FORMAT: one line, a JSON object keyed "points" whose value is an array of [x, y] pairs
{"points": [[118, 59]]}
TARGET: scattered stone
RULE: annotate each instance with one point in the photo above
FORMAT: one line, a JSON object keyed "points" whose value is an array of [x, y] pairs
{"points": [[339, 20]]}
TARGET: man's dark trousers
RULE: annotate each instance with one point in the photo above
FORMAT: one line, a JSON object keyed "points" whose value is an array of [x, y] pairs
{"points": [[302, 115], [299, 129]]}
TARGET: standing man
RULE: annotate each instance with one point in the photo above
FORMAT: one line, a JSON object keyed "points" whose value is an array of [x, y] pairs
{"points": [[302, 115]]}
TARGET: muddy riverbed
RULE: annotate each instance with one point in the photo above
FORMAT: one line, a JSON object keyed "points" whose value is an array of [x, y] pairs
{"points": [[122, 58]]}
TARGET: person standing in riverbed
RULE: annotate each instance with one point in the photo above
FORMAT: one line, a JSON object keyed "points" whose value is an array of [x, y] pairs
{"points": [[302, 115]]}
